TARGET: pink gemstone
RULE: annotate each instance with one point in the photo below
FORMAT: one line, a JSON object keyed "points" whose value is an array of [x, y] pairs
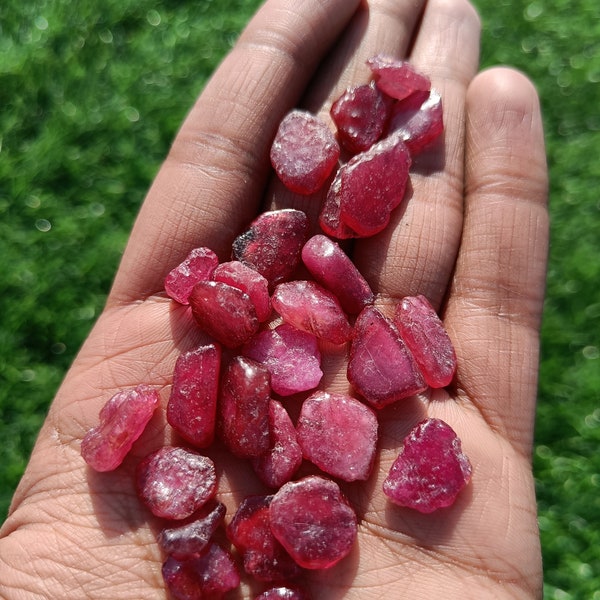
{"points": [[272, 244], [309, 307], [330, 218], [194, 536], [122, 420], [250, 532], [304, 152], [198, 266], [334, 270], [250, 281], [284, 456], [291, 356], [244, 407], [397, 78], [206, 576], [426, 338], [313, 521], [338, 434], [430, 470], [224, 312], [192, 406], [175, 482], [283, 593], [380, 367]]}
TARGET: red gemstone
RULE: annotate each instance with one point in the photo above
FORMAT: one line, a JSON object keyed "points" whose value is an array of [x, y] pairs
{"points": [[283, 593], [397, 78], [198, 266]]}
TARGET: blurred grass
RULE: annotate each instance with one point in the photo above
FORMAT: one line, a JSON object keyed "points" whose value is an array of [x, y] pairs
{"points": [[91, 95]]}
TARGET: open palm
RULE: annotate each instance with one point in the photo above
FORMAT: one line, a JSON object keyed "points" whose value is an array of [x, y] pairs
{"points": [[472, 237]]}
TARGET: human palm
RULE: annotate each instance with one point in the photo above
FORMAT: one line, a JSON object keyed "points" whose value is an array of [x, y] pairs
{"points": [[471, 237]]}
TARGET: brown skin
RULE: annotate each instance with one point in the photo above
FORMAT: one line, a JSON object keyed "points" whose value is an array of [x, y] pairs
{"points": [[472, 237]]}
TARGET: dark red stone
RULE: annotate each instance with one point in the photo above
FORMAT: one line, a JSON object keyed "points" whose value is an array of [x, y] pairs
{"points": [[283, 593], [397, 78]]}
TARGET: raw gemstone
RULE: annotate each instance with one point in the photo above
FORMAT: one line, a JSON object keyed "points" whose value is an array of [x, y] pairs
{"points": [[397, 78], [284, 456], [194, 536], [250, 281], [122, 420], [207, 576], [360, 115], [283, 593], [425, 336], [291, 356], [304, 152], [430, 470], [309, 307], [338, 434], [272, 244], [380, 367], [192, 406], [175, 482], [330, 218], [313, 521], [224, 312], [198, 266], [334, 270], [244, 407], [250, 532]]}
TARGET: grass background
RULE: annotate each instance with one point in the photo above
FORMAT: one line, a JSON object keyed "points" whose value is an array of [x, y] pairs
{"points": [[91, 94]]}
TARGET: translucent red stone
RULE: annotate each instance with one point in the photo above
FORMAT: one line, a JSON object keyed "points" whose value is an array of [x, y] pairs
{"points": [[197, 266], [397, 78], [304, 152], [427, 339], [122, 420], [314, 522], [283, 593], [380, 367], [431, 468], [192, 405], [175, 482], [338, 434]]}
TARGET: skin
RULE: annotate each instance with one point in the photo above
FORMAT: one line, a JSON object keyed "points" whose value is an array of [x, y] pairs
{"points": [[472, 236]]}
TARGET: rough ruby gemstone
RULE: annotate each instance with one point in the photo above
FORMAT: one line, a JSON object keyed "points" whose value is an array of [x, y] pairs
{"points": [[313, 521], [334, 270], [380, 367], [192, 406], [283, 593], [175, 482], [425, 336], [430, 470], [225, 312], [304, 152], [338, 434], [309, 307], [291, 356], [207, 576], [272, 244], [198, 266], [244, 407], [397, 78], [122, 420]]}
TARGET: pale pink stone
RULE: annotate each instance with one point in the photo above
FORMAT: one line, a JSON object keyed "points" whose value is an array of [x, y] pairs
{"points": [[397, 78], [122, 420], [309, 307], [198, 266], [338, 434]]}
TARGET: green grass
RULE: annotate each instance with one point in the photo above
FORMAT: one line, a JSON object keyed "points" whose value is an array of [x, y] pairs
{"points": [[91, 94]]}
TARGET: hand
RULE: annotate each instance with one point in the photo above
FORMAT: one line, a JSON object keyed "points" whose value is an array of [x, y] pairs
{"points": [[472, 238]]}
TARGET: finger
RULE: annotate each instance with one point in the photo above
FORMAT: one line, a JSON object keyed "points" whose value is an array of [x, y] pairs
{"points": [[213, 179]]}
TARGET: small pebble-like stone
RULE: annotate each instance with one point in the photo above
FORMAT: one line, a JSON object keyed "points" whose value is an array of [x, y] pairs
{"points": [[197, 266], [397, 78], [283, 593]]}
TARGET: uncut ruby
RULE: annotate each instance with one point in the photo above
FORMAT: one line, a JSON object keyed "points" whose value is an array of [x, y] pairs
{"points": [[397, 78], [309, 307], [207, 576], [198, 266], [175, 482], [338, 434], [380, 367], [283, 593], [330, 217], [192, 406], [430, 470], [224, 312], [244, 407], [425, 336], [304, 152], [272, 243], [313, 521], [334, 270], [122, 420], [284, 456]]}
